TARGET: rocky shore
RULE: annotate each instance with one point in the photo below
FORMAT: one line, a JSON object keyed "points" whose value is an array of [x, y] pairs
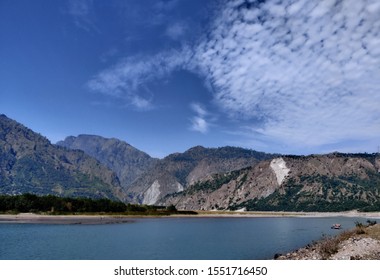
{"points": [[361, 243]]}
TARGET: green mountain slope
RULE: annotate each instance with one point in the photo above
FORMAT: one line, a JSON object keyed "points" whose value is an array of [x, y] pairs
{"points": [[29, 163], [126, 161]]}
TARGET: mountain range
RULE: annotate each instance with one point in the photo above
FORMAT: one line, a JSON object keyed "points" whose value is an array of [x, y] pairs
{"points": [[147, 180], [226, 178]]}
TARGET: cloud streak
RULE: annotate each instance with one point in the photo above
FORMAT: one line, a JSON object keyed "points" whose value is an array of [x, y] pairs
{"points": [[199, 122], [129, 79], [82, 12]]}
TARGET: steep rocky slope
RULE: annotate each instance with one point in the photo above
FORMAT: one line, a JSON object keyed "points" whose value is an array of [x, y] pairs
{"points": [[333, 182], [177, 171], [29, 163], [126, 161]]}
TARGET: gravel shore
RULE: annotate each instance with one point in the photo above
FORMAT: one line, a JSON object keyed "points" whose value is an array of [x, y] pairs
{"points": [[360, 243]]}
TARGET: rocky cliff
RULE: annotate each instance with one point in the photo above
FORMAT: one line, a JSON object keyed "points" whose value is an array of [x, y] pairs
{"points": [[178, 171], [333, 182]]}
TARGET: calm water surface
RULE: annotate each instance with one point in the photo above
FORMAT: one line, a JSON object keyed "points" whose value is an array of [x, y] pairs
{"points": [[166, 238]]}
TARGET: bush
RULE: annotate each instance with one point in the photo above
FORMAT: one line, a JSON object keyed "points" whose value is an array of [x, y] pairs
{"points": [[359, 228]]}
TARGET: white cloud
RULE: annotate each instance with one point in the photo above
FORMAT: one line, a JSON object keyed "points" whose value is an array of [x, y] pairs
{"points": [[199, 122], [129, 79], [308, 69], [305, 72], [198, 108]]}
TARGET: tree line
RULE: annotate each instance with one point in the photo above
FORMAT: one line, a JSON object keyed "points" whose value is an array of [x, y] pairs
{"points": [[53, 204]]}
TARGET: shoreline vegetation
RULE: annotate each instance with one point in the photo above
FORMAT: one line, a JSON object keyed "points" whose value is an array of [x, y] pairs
{"points": [[30, 208], [54, 206]]}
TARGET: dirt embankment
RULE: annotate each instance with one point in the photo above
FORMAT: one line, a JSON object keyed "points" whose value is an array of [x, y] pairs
{"points": [[361, 243]]}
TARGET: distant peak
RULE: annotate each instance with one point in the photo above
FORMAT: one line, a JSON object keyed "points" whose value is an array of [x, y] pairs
{"points": [[196, 148], [89, 136]]}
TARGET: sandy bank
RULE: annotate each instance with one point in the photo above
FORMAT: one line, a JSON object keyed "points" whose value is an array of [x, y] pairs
{"points": [[29, 218], [108, 219], [369, 215]]}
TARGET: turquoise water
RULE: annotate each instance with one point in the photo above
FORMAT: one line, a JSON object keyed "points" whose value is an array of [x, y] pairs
{"points": [[166, 238]]}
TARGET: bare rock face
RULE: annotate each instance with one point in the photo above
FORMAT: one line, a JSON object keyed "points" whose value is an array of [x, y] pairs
{"points": [[333, 182], [278, 166], [177, 172], [154, 192]]}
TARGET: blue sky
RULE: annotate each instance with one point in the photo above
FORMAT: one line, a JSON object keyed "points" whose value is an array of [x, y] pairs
{"points": [[287, 76]]}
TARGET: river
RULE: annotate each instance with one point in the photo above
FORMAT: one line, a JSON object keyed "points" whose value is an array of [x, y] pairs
{"points": [[224, 238]]}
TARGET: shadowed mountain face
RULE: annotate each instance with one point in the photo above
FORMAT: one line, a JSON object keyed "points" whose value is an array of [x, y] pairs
{"points": [[333, 182], [126, 161], [29, 163]]}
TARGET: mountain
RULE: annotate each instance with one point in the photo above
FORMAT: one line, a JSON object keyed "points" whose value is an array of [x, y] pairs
{"points": [[177, 171], [226, 178], [332, 182], [126, 161], [29, 163]]}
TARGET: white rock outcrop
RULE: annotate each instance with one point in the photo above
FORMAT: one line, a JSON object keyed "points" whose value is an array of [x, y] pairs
{"points": [[180, 188], [152, 194], [278, 166]]}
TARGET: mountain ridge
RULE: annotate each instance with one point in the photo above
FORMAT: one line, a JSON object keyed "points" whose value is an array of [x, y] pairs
{"points": [[125, 160], [30, 163], [332, 182], [224, 178], [177, 171]]}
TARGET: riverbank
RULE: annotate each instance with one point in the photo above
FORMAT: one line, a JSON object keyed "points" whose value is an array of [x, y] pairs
{"points": [[253, 214], [30, 218], [112, 219], [360, 243]]}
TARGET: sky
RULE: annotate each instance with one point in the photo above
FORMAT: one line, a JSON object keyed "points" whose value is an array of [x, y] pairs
{"points": [[279, 76]]}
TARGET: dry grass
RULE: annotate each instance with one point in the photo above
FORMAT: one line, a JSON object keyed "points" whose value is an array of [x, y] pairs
{"points": [[373, 231], [330, 245]]}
